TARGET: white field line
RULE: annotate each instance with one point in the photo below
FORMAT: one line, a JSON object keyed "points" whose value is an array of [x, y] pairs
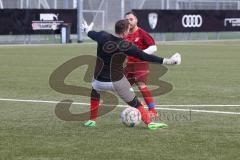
{"points": [[158, 107]]}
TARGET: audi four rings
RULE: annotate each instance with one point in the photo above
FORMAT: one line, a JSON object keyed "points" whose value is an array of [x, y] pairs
{"points": [[192, 21]]}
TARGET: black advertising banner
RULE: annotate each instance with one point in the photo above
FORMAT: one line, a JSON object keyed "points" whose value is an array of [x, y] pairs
{"points": [[188, 20], [48, 21], [36, 21]]}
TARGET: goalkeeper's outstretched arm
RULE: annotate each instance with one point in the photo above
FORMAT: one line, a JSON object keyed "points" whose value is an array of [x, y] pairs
{"points": [[135, 52], [97, 36]]}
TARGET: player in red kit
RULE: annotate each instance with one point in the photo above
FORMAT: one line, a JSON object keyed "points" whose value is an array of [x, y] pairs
{"points": [[137, 70]]}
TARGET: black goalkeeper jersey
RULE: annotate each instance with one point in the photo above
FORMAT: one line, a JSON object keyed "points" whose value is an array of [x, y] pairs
{"points": [[111, 54]]}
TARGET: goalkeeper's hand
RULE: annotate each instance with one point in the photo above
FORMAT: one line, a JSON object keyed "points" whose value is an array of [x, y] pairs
{"points": [[175, 59], [85, 27]]}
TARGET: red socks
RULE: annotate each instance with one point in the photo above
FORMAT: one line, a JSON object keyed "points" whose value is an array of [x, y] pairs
{"points": [[147, 97], [94, 109], [145, 115], [95, 105]]}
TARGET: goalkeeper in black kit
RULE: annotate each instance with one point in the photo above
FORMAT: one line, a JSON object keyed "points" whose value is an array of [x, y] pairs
{"points": [[112, 52]]}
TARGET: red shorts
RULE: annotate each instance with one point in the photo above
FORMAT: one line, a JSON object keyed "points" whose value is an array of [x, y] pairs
{"points": [[137, 72]]}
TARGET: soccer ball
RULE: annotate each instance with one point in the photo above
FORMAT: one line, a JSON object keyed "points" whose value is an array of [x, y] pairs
{"points": [[131, 117]]}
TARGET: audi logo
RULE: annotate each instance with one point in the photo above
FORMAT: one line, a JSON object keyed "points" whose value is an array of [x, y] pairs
{"points": [[192, 21]]}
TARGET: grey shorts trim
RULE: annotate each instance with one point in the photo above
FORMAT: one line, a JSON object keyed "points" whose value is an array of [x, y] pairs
{"points": [[121, 87]]}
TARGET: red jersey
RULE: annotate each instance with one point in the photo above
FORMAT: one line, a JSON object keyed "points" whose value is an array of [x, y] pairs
{"points": [[142, 40]]}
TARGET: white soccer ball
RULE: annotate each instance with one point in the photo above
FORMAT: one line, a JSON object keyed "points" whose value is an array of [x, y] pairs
{"points": [[131, 117]]}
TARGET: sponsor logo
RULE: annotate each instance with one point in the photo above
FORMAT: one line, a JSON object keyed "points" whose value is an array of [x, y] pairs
{"points": [[192, 21], [48, 17], [152, 20], [233, 22], [48, 21]]}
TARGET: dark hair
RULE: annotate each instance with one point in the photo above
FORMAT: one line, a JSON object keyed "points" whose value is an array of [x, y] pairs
{"points": [[131, 12], [121, 26]]}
